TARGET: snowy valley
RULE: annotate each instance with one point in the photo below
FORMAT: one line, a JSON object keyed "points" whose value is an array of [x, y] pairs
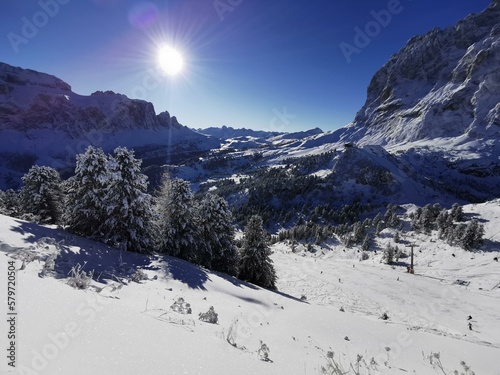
{"points": [[131, 244]]}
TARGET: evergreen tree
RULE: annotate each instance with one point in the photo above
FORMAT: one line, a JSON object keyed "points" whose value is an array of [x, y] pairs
{"points": [[358, 231], [2, 203], [454, 234], [177, 220], [380, 227], [86, 206], [415, 220], [128, 224], [427, 218], [365, 246], [256, 266], [41, 194], [11, 203], [394, 220], [397, 237], [472, 236], [442, 220], [388, 214], [389, 254], [218, 251], [457, 212]]}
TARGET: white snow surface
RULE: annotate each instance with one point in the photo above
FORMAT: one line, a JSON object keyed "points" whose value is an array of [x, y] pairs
{"points": [[118, 326]]}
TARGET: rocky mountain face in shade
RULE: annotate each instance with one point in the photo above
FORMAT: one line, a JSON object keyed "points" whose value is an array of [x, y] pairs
{"points": [[43, 121]]}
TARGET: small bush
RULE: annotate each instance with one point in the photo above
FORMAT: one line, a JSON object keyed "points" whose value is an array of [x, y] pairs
{"points": [[210, 316], [263, 352], [139, 276], [79, 279], [49, 265], [181, 306]]}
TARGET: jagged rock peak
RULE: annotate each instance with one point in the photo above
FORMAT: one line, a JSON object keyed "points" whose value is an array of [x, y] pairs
{"points": [[445, 83]]}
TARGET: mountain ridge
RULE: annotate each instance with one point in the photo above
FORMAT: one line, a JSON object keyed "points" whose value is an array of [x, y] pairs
{"points": [[448, 77], [43, 121]]}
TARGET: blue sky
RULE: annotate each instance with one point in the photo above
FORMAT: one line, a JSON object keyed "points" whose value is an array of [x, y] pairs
{"points": [[263, 64]]}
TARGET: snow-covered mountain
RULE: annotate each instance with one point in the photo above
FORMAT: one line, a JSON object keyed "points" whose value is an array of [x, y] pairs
{"points": [[434, 107], [42, 121], [228, 132], [444, 84]]}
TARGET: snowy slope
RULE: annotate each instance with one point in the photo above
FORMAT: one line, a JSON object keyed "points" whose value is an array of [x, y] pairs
{"points": [[118, 326]]}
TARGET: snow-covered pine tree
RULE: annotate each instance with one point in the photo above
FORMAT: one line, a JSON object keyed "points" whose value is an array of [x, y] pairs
{"points": [[86, 207], [415, 220], [367, 241], [380, 227], [472, 236], [397, 237], [358, 231], [457, 212], [427, 218], [394, 221], [388, 213], [442, 221], [389, 254], [177, 221], [217, 248], [2, 203], [129, 207], [41, 195], [256, 266], [11, 203]]}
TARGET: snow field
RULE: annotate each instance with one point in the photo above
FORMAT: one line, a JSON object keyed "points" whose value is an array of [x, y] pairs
{"points": [[122, 327]]}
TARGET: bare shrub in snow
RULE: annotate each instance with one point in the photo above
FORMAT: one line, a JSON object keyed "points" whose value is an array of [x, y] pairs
{"points": [[210, 316], [79, 279], [232, 334], [181, 306], [332, 367], [139, 276], [49, 265], [263, 352], [335, 368], [435, 361]]}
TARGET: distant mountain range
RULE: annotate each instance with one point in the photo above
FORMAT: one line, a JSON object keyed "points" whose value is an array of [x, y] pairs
{"points": [[227, 132]]}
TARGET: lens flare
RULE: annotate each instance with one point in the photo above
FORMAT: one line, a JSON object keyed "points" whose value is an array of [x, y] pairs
{"points": [[143, 14]]}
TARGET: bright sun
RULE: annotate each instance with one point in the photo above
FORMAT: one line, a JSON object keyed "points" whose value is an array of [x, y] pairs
{"points": [[170, 60]]}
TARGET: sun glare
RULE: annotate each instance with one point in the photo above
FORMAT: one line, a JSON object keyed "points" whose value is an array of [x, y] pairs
{"points": [[170, 60]]}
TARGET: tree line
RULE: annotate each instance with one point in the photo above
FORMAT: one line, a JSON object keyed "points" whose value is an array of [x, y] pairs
{"points": [[107, 200]]}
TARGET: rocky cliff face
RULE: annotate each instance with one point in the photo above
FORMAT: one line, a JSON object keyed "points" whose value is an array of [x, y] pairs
{"points": [[43, 121], [31, 100], [445, 83]]}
